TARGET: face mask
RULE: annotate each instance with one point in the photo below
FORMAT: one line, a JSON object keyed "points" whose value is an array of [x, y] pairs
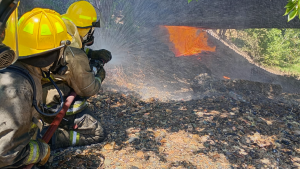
{"points": [[88, 39]]}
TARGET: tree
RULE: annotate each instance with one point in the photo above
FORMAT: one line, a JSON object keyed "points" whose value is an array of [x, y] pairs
{"points": [[292, 9], [191, 1]]}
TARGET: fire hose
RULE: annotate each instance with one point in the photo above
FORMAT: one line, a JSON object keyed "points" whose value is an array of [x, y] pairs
{"points": [[55, 123]]}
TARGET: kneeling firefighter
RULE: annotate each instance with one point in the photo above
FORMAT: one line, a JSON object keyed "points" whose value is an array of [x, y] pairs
{"points": [[80, 126], [20, 83], [81, 19], [86, 18]]}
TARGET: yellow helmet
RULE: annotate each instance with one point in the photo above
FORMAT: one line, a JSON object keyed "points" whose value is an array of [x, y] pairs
{"points": [[41, 32], [84, 15]]}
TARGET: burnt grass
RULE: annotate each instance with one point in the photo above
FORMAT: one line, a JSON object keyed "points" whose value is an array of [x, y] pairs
{"points": [[244, 130]]}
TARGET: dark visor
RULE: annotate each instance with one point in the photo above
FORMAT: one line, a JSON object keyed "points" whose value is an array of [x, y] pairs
{"points": [[94, 24]]}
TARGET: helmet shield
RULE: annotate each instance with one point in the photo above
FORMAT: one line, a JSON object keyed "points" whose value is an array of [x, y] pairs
{"points": [[8, 33], [11, 32], [7, 7]]}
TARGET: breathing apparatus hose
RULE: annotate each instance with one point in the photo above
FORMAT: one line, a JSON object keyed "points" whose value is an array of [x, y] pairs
{"points": [[47, 75]]}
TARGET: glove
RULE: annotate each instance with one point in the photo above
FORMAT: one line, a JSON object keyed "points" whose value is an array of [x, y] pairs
{"points": [[101, 74], [102, 55], [46, 149]]}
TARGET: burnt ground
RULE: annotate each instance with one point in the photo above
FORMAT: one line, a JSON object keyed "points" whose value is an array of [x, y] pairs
{"points": [[249, 121], [162, 111], [229, 130]]}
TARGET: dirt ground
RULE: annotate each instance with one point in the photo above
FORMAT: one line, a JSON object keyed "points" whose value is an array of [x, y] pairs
{"points": [[209, 110], [230, 130], [157, 117]]}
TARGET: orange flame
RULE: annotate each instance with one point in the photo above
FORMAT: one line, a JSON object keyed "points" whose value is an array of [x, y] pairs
{"points": [[225, 77], [188, 40]]}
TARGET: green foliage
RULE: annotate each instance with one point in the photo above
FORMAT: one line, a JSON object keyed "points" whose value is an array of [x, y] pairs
{"points": [[271, 47], [191, 1], [292, 9]]}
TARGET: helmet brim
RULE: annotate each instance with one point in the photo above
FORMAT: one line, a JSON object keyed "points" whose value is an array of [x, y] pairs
{"points": [[96, 24], [42, 59]]}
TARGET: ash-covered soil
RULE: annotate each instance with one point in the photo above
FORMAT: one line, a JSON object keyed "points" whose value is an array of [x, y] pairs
{"points": [[166, 112], [236, 126]]}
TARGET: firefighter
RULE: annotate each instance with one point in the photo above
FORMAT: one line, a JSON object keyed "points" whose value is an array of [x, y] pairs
{"points": [[42, 39], [86, 18], [80, 126], [81, 19]]}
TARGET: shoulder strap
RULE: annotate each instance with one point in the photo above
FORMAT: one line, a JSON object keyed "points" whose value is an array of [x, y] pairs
{"points": [[26, 75]]}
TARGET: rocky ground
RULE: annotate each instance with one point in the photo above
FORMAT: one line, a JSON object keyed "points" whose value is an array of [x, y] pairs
{"points": [[236, 126]]}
